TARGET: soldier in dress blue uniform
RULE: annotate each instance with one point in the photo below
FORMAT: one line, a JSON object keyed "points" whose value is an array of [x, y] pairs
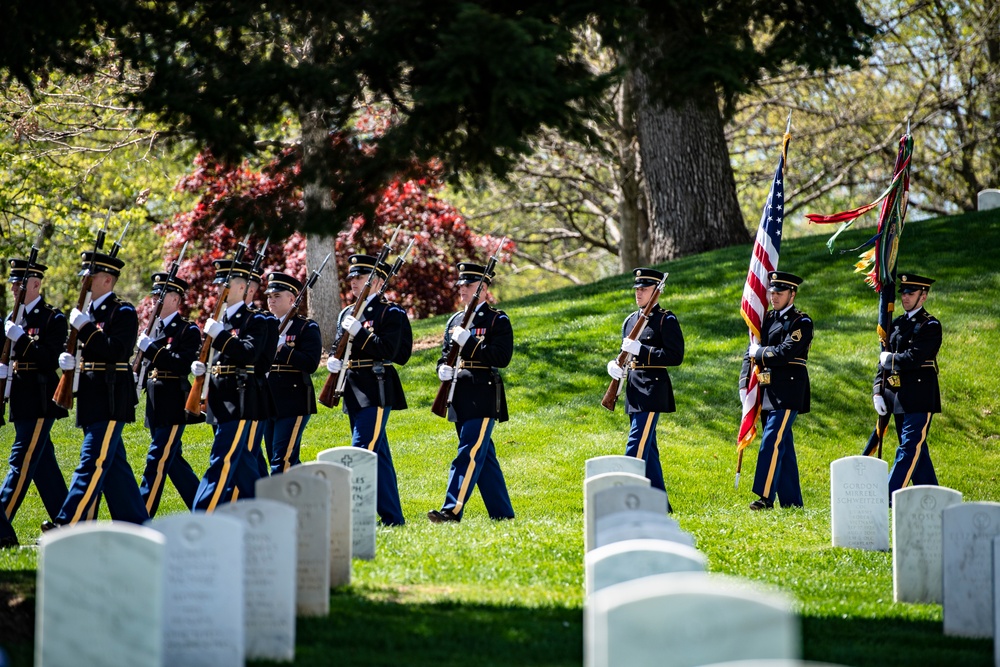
{"points": [[380, 339], [780, 363], [300, 347], [167, 356], [479, 400], [237, 344], [254, 464], [105, 401], [906, 383], [649, 391], [37, 337]]}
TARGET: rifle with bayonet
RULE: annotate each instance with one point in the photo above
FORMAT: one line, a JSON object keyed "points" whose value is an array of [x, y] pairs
{"points": [[446, 392], [286, 321], [258, 259], [63, 396], [16, 316], [333, 389], [198, 395], [140, 365], [624, 358]]}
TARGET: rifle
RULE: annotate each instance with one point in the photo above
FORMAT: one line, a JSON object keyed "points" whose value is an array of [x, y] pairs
{"points": [[198, 395], [16, 315], [333, 389], [446, 392], [63, 396], [286, 321], [259, 257], [140, 365], [624, 358]]}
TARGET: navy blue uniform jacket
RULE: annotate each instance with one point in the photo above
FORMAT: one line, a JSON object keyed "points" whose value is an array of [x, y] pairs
{"points": [[479, 392], [233, 395], [36, 357], [108, 393], [386, 337], [784, 350], [914, 345], [290, 379], [167, 386], [649, 388]]}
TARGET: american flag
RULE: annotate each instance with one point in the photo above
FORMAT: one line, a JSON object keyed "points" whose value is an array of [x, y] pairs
{"points": [[763, 260]]}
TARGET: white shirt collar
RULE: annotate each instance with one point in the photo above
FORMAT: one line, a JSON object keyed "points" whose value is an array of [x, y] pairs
{"points": [[164, 321], [99, 300], [911, 313], [231, 310], [786, 309], [29, 306]]}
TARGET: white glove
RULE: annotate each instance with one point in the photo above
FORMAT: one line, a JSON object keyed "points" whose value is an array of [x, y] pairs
{"points": [[198, 368], [78, 318], [880, 405], [615, 371], [281, 340], [752, 350], [631, 346], [333, 364], [351, 325], [213, 327], [13, 331], [135, 377], [445, 372], [460, 335], [743, 396], [67, 361], [4, 371], [884, 358], [144, 341]]}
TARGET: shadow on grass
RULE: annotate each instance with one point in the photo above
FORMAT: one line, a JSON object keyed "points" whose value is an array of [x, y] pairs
{"points": [[380, 629], [17, 615], [876, 642]]}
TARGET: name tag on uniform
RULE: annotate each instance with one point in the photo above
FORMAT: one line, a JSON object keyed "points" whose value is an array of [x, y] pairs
{"points": [[763, 378]]}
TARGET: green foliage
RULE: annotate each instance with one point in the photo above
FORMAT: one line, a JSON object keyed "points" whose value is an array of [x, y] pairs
{"points": [[512, 591]]}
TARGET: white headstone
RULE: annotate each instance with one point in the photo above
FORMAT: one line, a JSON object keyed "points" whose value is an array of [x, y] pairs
{"points": [[100, 596], [633, 513], [967, 556], [916, 541], [859, 503], [269, 544], [687, 619], [339, 477], [996, 601], [614, 463], [633, 559], [364, 483], [988, 199], [310, 496], [600, 482], [203, 614], [773, 663]]}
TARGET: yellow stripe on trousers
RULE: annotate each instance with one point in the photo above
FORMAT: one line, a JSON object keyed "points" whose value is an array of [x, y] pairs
{"points": [[250, 440], [916, 454], [156, 488], [378, 430], [25, 467], [286, 463], [463, 492], [84, 504], [227, 462], [645, 436], [774, 456]]}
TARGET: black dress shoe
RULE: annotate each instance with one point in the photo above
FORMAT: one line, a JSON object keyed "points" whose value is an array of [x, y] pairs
{"points": [[9, 542], [761, 504], [48, 525], [443, 516]]}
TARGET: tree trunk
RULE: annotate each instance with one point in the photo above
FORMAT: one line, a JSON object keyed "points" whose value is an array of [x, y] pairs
{"points": [[633, 223], [687, 177], [324, 298], [992, 31]]}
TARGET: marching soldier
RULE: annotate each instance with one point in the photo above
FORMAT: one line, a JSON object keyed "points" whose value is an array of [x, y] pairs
{"points": [[237, 344], [906, 383], [381, 339], [479, 400], [36, 338], [167, 357], [299, 350], [105, 401], [783, 378], [254, 465], [648, 391]]}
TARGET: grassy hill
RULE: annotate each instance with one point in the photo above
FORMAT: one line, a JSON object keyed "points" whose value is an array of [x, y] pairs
{"points": [[512, 593]]}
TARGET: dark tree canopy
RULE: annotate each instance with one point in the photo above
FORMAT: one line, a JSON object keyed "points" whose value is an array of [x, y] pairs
{"points": [[466, 82]]}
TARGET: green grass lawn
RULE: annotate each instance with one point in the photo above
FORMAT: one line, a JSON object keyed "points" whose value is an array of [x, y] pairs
{"points": [[512, 593]]}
